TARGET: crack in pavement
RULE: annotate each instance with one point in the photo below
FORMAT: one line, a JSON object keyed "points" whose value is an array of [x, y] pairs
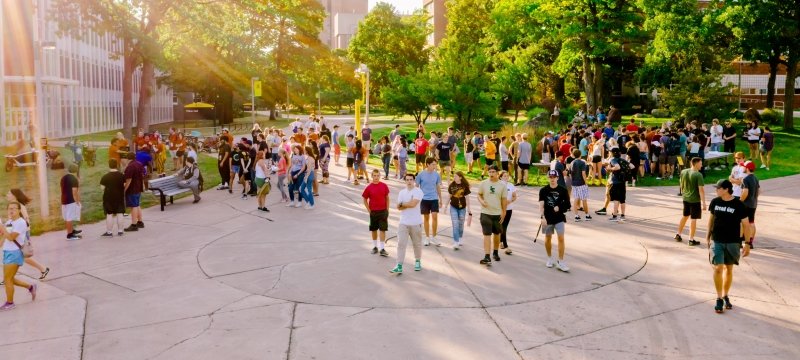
{"points": [[291, 331], [200, 250], [707, 292], [758, 274], [106, 281]]}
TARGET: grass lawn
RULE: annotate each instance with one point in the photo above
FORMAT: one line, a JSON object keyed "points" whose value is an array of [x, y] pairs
{"points": [[91, 194]]}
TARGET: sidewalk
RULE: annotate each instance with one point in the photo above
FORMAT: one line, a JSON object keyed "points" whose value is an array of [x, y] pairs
{"points": [[222, 279]]}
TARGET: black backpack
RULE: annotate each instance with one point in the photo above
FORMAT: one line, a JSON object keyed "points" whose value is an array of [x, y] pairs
{"points": [[624, 168]]}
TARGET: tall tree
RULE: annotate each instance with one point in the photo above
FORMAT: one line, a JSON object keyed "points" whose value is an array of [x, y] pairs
{"points": [[386, 42]]}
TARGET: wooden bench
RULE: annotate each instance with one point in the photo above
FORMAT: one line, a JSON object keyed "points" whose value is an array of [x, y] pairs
{"points": [[167, 186]]}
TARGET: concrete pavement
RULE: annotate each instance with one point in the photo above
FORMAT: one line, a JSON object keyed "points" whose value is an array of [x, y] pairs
{"points": [[222, 279]]}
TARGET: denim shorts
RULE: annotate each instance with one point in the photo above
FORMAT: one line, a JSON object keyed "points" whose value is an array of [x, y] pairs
{"points": [[132, 200], [13, 257]]}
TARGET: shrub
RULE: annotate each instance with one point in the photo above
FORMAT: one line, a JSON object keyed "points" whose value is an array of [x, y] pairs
{"points": [[660, 113], [492, 122], [771, 117], [642, 116]]}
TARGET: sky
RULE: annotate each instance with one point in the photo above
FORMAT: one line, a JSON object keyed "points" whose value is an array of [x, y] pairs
{"points": [[403, 6]]}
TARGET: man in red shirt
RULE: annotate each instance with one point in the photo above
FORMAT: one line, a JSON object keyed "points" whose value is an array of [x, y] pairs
{"points": [[422, 149], [632, 128], [376, 200]]}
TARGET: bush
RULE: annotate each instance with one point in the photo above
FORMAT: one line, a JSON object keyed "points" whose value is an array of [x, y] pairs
{"points": [[660, 113], [492, 122], [771, 117], [642, 116]]}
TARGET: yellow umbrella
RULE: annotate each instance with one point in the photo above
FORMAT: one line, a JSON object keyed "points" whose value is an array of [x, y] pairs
{"points": [[199, 105]]}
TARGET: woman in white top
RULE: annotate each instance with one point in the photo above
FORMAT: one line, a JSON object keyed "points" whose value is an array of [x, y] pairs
{"points": [[511, 194], [503, 154], [14, 236], [262, 182], [753, 135], [396, 156], [23, 200]]}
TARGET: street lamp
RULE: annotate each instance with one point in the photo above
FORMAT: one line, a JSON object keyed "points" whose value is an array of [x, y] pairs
{"points": [[253, 98], [37, 130], [362, 73]]}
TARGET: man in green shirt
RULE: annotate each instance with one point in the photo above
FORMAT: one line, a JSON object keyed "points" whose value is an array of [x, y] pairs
{"points": [[492, 196], [693, 196]]}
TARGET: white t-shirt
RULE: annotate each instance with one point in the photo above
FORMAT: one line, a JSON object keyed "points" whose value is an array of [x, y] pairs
{"points": [[20, 227], [753, 134], [716, 134], [295, 125], [511, 189], [410, 216], [738, 173], [503, 152]]}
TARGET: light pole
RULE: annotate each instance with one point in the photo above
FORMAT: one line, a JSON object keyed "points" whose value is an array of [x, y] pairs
{"points": [[362, 73], [253, 98], [37, 128]]}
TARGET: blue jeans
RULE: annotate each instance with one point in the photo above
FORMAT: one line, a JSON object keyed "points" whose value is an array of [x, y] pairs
{"points": [[306, 188], [386, 160], [458, 216], [716, 147], [294, 185]]}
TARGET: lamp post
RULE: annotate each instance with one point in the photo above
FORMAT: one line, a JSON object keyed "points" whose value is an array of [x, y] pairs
{"points": [[253, 98], [362, 73], [37, 128]]}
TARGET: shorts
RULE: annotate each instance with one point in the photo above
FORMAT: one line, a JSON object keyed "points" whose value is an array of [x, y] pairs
{"points": [[524, 166], [752, 141], [476, 155], [692, 209], [428, 206], [489, 162], [116, 207], [751, 214], [420, 158], [672, 160], [490, 224], [549, 229], [132, 200], [13, 257], [617, 193], [725, 253], [350, 162], [597, 159], [359, 165], [580, 192], [180, 153], [236, 169], [260, 182], [469, 158], [379, 220], [444, 163], [337, 149], [71, 212]]}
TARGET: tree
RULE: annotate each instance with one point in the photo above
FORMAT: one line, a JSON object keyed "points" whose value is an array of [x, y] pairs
{"points": [[699, 96], [410, 94], [462, 63], [387, 42], [592, 31]]}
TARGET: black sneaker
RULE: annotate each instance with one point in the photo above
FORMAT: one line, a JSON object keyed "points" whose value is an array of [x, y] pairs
{"points": [[133, 227], [601, 211], [614, 218], [496, 257], [76, 232], [486, 261], [374, 250], [728, 304], [384, 253], [140, 225], [718, 307], [678, 238], [107, 234], [588, 218], [693, 242]]}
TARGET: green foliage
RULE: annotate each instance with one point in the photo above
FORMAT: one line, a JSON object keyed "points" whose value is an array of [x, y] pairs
{"points": [[386, 42], [660, 113], [699, 96], [410, 94], [771, 117]]}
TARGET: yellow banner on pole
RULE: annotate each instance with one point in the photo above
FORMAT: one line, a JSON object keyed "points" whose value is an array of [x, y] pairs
{"points": [[257, 88]]}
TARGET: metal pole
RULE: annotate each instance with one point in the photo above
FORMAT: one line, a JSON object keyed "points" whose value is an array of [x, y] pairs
{"points": [[319, 101], [38, 128], [253, 99], [739, 108], [287, 97], [366, 114]]}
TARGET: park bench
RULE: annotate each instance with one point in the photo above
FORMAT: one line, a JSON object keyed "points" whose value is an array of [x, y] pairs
{"points": [[167, 186]]}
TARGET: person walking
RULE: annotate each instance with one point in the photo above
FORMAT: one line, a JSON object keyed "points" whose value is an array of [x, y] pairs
{"points": [[429, 181], [113, 184], [410, 224], [325, 157], [23, 200], [420, 151], [511, 198], [376, 201], [459, 206], [580, 190], [766, 146], [386, 155], [262, 180], [14, 236], [553, 205], [493, 199], [307, 175], [443, 151], [134, 185], [525, 154], [751, 189], [727, 222], [71, 201], [691, 184]]}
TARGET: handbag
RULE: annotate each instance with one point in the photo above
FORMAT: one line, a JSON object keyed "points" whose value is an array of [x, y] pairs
{"points": [[27, 249]]}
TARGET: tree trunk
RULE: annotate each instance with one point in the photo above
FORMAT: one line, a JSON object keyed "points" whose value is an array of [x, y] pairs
{"points": [[272, 112], [225, 106], [788, 102], [588, 84], [599, 92], [145, 95], [558, 88], [127, 93], [516, 114], [774, 61]]}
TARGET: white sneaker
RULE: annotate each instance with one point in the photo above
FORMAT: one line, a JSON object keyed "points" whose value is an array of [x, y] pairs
{"points": [[763, 166], [427, 241], [549, 263], [455, 245], [298, 204], [310, 207], [460, 244], [435, 242], [290, 204], [562, 266]]}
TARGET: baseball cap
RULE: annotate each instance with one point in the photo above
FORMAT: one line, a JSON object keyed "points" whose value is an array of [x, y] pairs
{"points": [[749, 165], [552, 173], [724, 184]]}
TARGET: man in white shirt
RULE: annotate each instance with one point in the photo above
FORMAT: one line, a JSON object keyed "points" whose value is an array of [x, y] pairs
{"points": [[737, 174], [410, 223], [295, 125]]}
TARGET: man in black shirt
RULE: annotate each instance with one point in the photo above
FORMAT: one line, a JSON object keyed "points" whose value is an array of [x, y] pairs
{"points": [[443, 150], [553, 204], [223, 163], [726, 225]]}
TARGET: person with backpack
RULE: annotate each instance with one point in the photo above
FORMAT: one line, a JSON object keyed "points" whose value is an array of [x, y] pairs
{"points": [[360, 154], [617, 168]]}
